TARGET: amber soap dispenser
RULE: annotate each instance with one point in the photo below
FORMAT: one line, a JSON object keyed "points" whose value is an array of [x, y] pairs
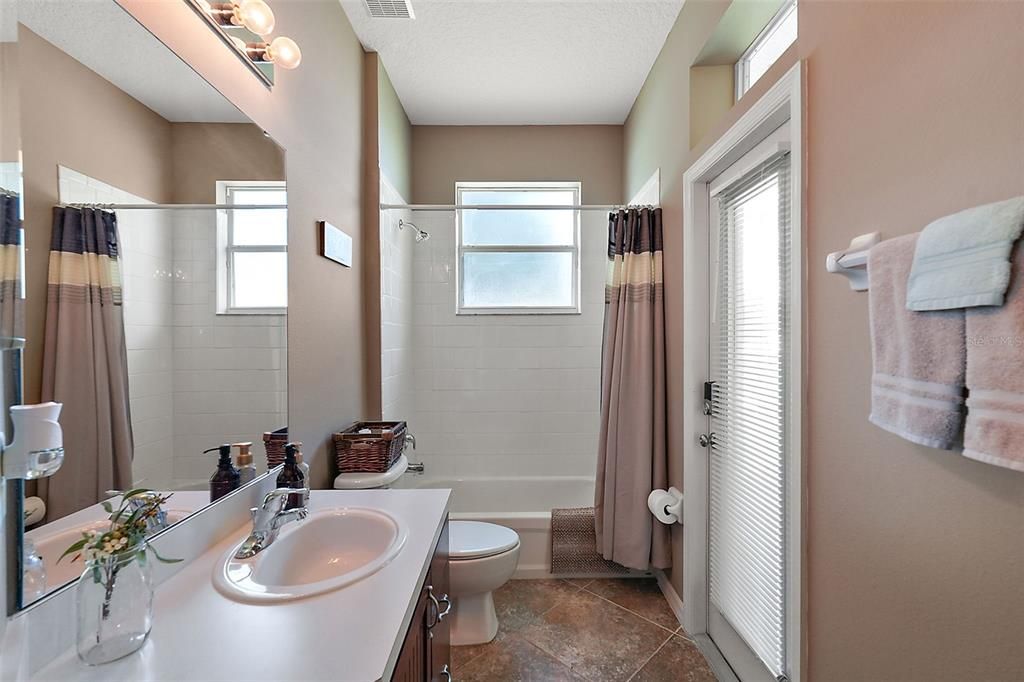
{"points": [[291, 475]]}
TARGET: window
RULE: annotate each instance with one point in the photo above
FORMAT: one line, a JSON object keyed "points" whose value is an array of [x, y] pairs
{"points": [[518, 261], [252, 270], [767, 47]]}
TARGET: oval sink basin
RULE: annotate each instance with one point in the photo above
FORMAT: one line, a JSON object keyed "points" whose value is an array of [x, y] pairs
{"points": [[329, 550]]}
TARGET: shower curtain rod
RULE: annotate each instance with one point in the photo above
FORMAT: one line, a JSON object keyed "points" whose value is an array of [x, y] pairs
{"points": [[179, 207], [508, 207]]}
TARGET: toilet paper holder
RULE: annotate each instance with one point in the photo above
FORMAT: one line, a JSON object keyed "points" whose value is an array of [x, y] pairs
{"points": [[666, 505]]}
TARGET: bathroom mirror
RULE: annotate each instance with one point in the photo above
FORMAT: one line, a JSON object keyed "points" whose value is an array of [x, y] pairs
{"points": [[154, 212]]}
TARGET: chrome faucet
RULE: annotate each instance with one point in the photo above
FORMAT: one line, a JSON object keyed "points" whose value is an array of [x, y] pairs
{"points": [[269, 517]]}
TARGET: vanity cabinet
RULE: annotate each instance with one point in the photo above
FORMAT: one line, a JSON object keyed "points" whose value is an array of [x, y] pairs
{"points": [[426, 651]]}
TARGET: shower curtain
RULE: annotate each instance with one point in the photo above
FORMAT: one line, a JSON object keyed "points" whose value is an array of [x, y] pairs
{"points": [[85, 363], [12, 303], [632, 451]]}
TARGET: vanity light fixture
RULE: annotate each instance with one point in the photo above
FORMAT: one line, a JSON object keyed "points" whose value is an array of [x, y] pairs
{"points": [[246, 25]]}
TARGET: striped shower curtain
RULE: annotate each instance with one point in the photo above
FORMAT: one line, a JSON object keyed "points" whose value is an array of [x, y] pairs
{"points": [[85, 363], [632, 451], [12, 302]]}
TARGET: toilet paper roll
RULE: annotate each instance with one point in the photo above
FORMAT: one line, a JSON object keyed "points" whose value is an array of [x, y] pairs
{"points": [[666, 505]]}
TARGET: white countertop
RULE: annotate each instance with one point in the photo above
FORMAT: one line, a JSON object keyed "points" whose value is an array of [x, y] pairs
{"points": [[353, 634]]}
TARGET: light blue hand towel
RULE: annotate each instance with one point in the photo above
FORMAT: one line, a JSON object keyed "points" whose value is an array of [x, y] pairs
{"points": [[963, 260]]}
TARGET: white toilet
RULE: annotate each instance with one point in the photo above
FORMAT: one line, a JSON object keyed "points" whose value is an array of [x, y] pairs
{"points": [[482, 558]]}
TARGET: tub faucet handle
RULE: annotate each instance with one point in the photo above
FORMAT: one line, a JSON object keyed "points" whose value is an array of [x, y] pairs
{"points": [[416, 468]]}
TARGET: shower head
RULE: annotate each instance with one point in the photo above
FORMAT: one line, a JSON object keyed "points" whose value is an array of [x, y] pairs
{"points": [[421, 235]]}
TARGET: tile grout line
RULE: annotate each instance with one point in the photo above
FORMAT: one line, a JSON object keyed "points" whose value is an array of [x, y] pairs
{"points": [[633, 612], [650, 658]]}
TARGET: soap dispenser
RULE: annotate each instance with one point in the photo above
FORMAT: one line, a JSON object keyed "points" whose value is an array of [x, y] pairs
{"points": [[291, 476], [303, 467], [226, 478], [246, 468]]}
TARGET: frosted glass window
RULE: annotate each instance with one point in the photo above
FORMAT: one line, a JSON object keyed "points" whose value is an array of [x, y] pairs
{"points": [[501, 280], [777, 36], [518, 261], [254, 243], [260, 279]]}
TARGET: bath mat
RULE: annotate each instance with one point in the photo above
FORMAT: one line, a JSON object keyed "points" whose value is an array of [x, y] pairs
{"points": [[574, 545]]}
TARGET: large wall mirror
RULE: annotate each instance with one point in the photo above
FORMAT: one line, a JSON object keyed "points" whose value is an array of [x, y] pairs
{"points": [[155, 274]]}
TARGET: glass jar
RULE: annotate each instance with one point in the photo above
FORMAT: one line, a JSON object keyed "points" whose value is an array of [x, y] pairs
{"points": [[115, 607]]}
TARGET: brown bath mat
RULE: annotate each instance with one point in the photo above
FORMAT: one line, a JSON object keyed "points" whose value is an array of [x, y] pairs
{"points": [[574, 545]]}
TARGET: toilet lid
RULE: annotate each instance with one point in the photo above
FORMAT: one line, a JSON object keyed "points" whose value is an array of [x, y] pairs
{"points": [[476, 539]]}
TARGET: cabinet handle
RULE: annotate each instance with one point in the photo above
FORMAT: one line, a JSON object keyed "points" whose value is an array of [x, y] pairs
{"points": [[446, 673], [447, 607], [437, 608]]}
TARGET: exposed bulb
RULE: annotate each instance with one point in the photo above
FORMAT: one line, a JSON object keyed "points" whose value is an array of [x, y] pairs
{"points": [[256, 16], [284, 52]]}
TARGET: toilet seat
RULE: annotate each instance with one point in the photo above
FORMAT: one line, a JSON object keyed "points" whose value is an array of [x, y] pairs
{"points": [[477, 539]]}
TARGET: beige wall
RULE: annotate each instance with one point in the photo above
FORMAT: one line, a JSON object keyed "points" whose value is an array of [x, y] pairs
{"points": [[914, 555], [441, 155], [315, 113], [106, 134], [203, 153], [10, 139]]}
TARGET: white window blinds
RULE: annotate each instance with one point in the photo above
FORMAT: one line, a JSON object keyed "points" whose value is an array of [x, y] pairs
{"points": [[749, 351]]}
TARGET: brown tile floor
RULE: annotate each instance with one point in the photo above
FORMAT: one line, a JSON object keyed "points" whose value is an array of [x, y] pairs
{"points": [[609, 630]]}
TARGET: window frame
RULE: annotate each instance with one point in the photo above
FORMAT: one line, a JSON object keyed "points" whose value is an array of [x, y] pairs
{"points": [[742, 68], [226, 248], [461, 248]]}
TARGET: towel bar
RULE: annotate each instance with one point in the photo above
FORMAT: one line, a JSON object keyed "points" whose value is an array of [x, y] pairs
{"points": [[852, 262]]}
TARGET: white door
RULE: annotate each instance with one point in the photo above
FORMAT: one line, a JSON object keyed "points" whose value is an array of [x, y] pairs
{"points": [[749, 415]]}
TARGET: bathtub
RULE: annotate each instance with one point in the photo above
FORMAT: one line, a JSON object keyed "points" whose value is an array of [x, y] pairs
{"points": [[523, 503]]}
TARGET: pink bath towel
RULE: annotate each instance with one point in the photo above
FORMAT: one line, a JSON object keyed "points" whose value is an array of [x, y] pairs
{"points": [[917, 387], [994, 432]]}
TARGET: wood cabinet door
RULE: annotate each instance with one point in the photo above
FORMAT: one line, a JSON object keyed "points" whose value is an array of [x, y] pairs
{"points": [[412, 660], [439, 613]]}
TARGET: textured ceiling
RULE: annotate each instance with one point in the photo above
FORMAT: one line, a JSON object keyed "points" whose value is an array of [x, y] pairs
{"points": [[518, 61], [109, 41]]}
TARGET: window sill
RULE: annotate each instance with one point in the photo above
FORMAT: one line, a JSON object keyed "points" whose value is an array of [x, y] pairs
{"points": [[518, 311], [254, 311]]}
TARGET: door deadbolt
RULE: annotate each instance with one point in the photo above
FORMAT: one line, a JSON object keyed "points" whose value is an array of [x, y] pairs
{"points": [[705, 439]]}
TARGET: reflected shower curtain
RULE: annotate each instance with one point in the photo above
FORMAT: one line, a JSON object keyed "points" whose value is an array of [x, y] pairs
{"points": [[12, 303], [632, 452], [85, 363]]}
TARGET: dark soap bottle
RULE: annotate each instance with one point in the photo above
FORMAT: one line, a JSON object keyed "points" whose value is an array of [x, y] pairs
{"points": [[226, 478], [291, 476]]}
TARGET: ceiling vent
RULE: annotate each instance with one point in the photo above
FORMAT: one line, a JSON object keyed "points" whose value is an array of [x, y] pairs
{"points": [[390, 9]]}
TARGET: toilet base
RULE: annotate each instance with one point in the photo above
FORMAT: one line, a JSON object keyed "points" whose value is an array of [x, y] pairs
{"points": [[473, 619]]}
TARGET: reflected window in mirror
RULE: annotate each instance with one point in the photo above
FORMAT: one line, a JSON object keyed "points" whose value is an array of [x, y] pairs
{"points": [[253, 267]]}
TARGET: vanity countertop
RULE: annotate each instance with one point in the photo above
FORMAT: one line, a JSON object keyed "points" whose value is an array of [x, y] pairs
{"points": [[352, 634]]}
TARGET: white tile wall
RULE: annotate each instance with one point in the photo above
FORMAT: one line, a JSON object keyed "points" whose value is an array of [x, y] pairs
{"points": [[229, 371], [396, 249], [504, 395], [196, 379]]}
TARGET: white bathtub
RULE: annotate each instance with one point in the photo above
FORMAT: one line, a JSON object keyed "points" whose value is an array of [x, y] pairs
{"points": [[523, 503]]}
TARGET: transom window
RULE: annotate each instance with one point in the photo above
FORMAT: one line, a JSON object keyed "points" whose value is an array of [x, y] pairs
{"points": [[253, 267], [518, 261], [767, 47]]}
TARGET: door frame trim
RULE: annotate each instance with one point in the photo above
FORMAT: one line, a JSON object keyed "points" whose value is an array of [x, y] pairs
{"points": [[782, 103]]}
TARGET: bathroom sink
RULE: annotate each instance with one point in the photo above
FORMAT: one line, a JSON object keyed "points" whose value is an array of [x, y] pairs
{"points": [[50, 547], [327, 551]]}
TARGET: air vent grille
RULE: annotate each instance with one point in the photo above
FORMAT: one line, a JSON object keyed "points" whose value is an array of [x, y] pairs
{"points": [[390, 9]]}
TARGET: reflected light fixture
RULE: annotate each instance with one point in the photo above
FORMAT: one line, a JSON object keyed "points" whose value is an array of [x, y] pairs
{"points": [[255, 15]]}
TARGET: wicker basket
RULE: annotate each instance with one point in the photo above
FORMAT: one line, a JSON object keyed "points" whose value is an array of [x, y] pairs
{"points": [[372, 452], [274, 442]]}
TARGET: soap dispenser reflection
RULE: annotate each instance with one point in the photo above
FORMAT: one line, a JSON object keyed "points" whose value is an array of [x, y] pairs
{"points": [[226, 478], [244, 463]]}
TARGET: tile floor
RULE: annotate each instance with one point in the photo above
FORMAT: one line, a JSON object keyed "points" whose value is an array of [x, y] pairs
{"points": [[609, 630]]}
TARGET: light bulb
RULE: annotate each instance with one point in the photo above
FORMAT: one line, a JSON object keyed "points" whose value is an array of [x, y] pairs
{"points": [[256, 16], [284, 52]]}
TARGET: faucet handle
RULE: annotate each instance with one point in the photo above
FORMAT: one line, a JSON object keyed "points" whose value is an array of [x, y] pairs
{"points": [[277, 499]]}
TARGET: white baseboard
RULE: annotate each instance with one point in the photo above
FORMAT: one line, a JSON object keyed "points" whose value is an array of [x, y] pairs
{"points": [[671, 596]]}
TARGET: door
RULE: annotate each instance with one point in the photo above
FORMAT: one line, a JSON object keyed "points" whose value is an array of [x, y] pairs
{"points": [[749, 410]]}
